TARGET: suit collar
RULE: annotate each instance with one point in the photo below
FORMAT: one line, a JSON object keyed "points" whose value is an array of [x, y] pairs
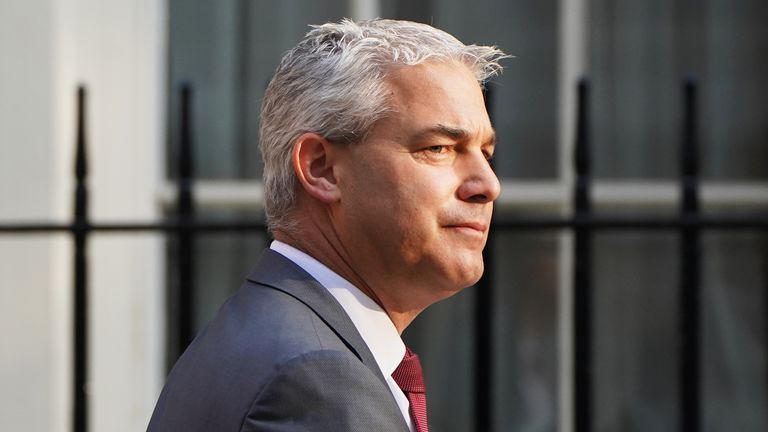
{"points": [[369, 318], [278, 272]]}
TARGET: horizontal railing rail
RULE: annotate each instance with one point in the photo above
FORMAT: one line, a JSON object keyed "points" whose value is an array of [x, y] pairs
{"points": [[597, 222]]}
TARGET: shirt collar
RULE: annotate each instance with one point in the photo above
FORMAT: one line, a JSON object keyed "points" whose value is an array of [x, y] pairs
{"points": [[371, 321]]}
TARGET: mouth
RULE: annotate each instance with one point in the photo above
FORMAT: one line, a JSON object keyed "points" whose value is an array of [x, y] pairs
{"points": [[469, 227]]}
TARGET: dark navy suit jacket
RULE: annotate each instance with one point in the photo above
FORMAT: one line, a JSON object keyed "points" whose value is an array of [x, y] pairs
{"points": [[280, 355]]}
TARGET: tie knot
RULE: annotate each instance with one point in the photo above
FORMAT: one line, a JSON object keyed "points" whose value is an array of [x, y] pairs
{"points": [[408, 374]]}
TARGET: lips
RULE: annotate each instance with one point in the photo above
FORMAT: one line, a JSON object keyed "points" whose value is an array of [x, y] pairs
{"points": [[473, 226]]}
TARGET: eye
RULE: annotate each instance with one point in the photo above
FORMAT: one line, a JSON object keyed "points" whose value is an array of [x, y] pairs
{"points": [[436, 149]]}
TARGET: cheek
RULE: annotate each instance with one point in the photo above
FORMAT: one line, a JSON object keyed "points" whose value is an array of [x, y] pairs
{"points": [[401, 214], [402, 191], [397, 203], [400, 220], [373, 205]]}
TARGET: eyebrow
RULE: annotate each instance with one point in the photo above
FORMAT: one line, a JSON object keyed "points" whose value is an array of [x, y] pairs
{"points": [[454, 133]]}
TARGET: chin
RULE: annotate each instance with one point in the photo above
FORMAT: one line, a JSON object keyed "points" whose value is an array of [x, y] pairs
{"points": [[455, 279], [469, 272], [475, 277]]}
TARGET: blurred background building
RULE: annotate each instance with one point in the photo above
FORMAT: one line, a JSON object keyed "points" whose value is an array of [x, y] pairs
{"points": [[133, 55]]}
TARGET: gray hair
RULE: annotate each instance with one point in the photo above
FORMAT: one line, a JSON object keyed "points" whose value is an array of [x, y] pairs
{"points": [[332, 84]]}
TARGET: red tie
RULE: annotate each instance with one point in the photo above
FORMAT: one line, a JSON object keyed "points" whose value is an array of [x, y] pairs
{"points": [[409, 378]]}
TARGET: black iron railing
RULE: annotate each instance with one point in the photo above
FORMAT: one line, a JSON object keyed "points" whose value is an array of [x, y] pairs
{"points": [[582, 268], [583, 223]]}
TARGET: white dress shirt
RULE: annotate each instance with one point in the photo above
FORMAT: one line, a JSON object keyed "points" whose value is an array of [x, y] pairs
{"points": [[373, 324]]}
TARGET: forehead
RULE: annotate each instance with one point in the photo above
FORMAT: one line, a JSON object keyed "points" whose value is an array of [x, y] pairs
{"points": [[429, 94]]}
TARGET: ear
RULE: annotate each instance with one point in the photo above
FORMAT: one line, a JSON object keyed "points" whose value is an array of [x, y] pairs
{"points": [[313, 161]]}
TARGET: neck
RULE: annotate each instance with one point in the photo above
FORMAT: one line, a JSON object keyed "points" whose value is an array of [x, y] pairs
{"points": [[327, 248]]}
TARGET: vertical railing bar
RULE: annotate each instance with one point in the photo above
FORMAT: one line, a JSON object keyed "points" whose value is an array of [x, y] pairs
{"points": [[582, 268], [80, 232], [243, 81], [185, 213], [690, 267], [484, 316]]}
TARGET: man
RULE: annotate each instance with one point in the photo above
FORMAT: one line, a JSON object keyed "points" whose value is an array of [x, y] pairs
{"points": [[379, 193]]}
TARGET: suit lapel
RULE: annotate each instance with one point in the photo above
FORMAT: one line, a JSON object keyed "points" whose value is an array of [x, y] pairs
{"points": [[278, 272]]}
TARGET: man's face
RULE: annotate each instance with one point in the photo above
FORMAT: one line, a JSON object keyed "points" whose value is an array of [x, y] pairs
{"points": [[417, 194]]}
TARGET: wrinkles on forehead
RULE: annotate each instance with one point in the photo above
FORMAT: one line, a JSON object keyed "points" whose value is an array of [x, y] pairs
{"points": [[437, 100]]}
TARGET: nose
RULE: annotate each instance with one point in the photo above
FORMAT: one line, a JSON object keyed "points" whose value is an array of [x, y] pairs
{"points": [[480, 184]]}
